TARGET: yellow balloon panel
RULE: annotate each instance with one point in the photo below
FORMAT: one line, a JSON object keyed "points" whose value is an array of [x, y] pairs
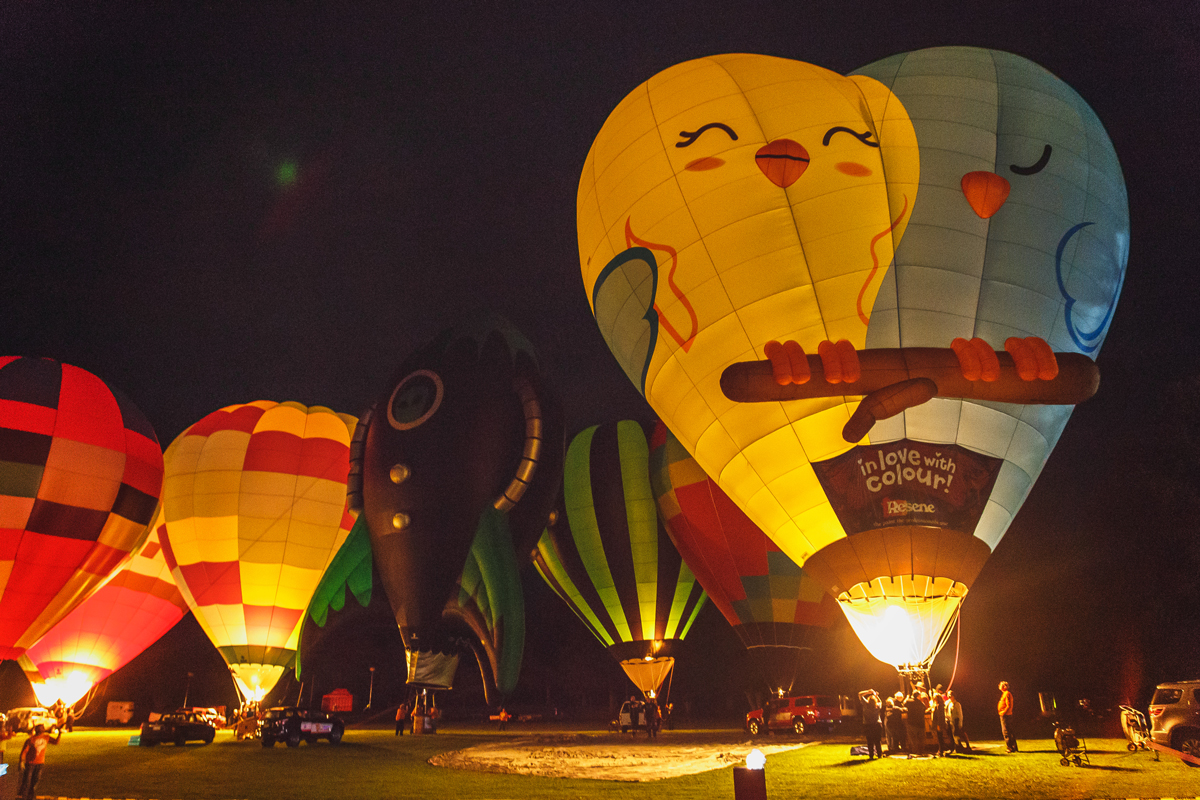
{"points": [[727, 202], [255, 509]]}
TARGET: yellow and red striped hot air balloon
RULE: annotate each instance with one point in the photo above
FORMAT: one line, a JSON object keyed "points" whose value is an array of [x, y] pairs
{"points": [[80, 475], [255, 505], [109, 629]]}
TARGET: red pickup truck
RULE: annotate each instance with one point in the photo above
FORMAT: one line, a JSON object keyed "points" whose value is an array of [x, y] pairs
{"points": [[797, 714]]}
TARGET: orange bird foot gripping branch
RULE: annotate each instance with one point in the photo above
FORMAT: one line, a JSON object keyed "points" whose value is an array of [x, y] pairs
{"points": [[892, 380]]}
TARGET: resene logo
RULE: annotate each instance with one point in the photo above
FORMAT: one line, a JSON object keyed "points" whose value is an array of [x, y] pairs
{"points": [[901, 508]]}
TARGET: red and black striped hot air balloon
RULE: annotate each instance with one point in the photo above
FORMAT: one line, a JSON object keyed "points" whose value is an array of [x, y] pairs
{"points": [[109, 629], [776, 608], [611, 561], [80, 476]]}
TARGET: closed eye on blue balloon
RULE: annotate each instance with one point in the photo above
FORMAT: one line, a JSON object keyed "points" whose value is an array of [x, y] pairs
{"points": [[1036, 168]]}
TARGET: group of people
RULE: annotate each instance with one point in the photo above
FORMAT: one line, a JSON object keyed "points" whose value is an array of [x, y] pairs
{"points": [[906, 721], [246, 721], [415, 714], [647, 714], [64, 715]]}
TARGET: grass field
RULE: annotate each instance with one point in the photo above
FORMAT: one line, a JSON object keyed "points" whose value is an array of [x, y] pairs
{"points": [[373, 763]]}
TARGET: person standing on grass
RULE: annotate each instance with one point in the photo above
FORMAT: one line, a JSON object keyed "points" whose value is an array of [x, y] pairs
{"points": [[895, 720], [954, 714], [33, 758], [872, 722], [914, 706], [1005, 709], [895, 724], [941, 726], [653, 719], [401, 718]]}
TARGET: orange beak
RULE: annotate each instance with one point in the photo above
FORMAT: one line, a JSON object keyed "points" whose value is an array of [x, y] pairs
{"points": [[782, 161], [985, 191]]}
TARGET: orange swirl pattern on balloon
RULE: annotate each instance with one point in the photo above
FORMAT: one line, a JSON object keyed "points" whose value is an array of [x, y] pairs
{"points": [[686, 344], [863, 315]]}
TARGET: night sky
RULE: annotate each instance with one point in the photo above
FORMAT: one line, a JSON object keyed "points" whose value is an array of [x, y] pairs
{"points": [[207, 205]]}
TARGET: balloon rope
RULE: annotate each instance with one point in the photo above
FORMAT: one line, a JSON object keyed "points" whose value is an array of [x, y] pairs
{"points": [[957, 642], [87, 701]]}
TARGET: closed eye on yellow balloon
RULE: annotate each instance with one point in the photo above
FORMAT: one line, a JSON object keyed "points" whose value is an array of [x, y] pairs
{"points": [[701, 164], [852, 168]]}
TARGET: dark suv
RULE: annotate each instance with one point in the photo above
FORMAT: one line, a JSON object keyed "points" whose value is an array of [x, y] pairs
{"points": [[294, 725], [797, 714], [179, 727], [1175, 717]]}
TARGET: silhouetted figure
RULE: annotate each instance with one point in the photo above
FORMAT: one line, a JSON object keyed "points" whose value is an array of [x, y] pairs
{"points": [[401, 718], [941, 726], [954, 713], [33, 758], [914, 706], [895, 724], [872, 722], [1004, 707]]}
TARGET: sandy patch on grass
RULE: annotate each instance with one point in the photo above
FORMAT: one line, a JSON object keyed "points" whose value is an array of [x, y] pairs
{"points": [[607, 757]]}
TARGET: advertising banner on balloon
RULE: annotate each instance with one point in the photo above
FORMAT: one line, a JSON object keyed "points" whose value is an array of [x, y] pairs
{"points": [[908, 483]]}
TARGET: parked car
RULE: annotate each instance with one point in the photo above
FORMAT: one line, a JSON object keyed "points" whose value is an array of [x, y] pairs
{"points": [[796, 713], [293, 725], [179, 727], [1175, 717], [625, 717], [26, 718], [211, 714]]}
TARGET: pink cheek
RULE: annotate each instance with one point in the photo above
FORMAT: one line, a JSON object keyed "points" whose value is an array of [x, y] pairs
{"points": [[702, 164], [852, 168]]}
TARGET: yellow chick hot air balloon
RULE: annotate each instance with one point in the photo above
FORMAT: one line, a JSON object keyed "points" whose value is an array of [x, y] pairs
{"points": [[736, 202], [255, 506], [732, 201]]}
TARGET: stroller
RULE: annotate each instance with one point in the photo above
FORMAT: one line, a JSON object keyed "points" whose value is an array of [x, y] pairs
{"points": [[1137, 731], [1071, 748]]}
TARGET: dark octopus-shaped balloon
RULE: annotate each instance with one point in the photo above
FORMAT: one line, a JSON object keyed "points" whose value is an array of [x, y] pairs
{"points": [[456, 468]]}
